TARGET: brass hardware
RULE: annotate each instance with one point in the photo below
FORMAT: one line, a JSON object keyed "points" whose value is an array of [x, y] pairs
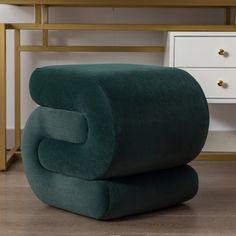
{"points": [[220, 83], [221, 52]]}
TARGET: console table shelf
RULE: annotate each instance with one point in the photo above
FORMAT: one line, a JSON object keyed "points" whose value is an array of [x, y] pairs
{"points": [[41, 16], [128, 27], [126, 3]]}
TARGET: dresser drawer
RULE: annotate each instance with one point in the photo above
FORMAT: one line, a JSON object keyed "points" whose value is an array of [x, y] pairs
{"points": [[209, 78], [203, 51]]}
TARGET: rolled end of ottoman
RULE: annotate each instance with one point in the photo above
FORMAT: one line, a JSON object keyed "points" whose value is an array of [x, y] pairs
{"points": [[138, 118], [113, 140]]}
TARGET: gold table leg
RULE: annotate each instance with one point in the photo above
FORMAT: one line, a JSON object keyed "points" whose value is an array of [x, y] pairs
{"points": [[17, 90], [3, 164], [37, 14], [227, 15], [45, 21]]}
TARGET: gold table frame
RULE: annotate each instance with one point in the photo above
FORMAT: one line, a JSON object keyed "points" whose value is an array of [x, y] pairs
{"points": [[41, 14]]}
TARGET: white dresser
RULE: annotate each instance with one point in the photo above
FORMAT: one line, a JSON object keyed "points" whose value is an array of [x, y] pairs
{"points": [[210, 57]]}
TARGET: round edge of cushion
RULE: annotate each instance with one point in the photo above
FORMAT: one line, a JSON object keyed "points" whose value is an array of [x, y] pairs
{"points": [[150, 191], [117, 197], [106, 199], [120, 148]]}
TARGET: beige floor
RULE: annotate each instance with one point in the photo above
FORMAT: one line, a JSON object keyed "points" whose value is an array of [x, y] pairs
{"points": [[211, 212]]}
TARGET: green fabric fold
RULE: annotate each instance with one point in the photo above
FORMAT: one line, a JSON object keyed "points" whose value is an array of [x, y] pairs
{"points": [[139, 118], [111, 140]]}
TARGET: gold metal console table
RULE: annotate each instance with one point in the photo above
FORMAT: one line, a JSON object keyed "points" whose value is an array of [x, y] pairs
{"points": [[41, 23]]}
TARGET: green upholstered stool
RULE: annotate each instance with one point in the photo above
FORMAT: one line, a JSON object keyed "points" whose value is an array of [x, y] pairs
{"points": [[111, 140]]}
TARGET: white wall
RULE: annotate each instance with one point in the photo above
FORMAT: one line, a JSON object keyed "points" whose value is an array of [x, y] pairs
{"points": [[222, 116]]}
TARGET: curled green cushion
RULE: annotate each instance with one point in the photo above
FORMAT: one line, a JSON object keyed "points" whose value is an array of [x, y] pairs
{"points": [[127, 119], [113, 140], [100, 199]]}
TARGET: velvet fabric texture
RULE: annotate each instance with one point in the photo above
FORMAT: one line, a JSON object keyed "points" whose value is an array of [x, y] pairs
{"points": [[113, 139], [132, 112]]}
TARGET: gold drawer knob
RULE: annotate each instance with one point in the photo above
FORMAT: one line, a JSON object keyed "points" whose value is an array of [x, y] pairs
{"points": [[221, 52], [220, 83]]}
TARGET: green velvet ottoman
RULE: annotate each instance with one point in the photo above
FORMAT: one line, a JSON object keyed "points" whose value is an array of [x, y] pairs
{"points": [[111, 140]]}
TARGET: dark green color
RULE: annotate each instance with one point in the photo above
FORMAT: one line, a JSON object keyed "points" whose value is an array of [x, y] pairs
{"points": [[113, 139], [140, 118]]}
